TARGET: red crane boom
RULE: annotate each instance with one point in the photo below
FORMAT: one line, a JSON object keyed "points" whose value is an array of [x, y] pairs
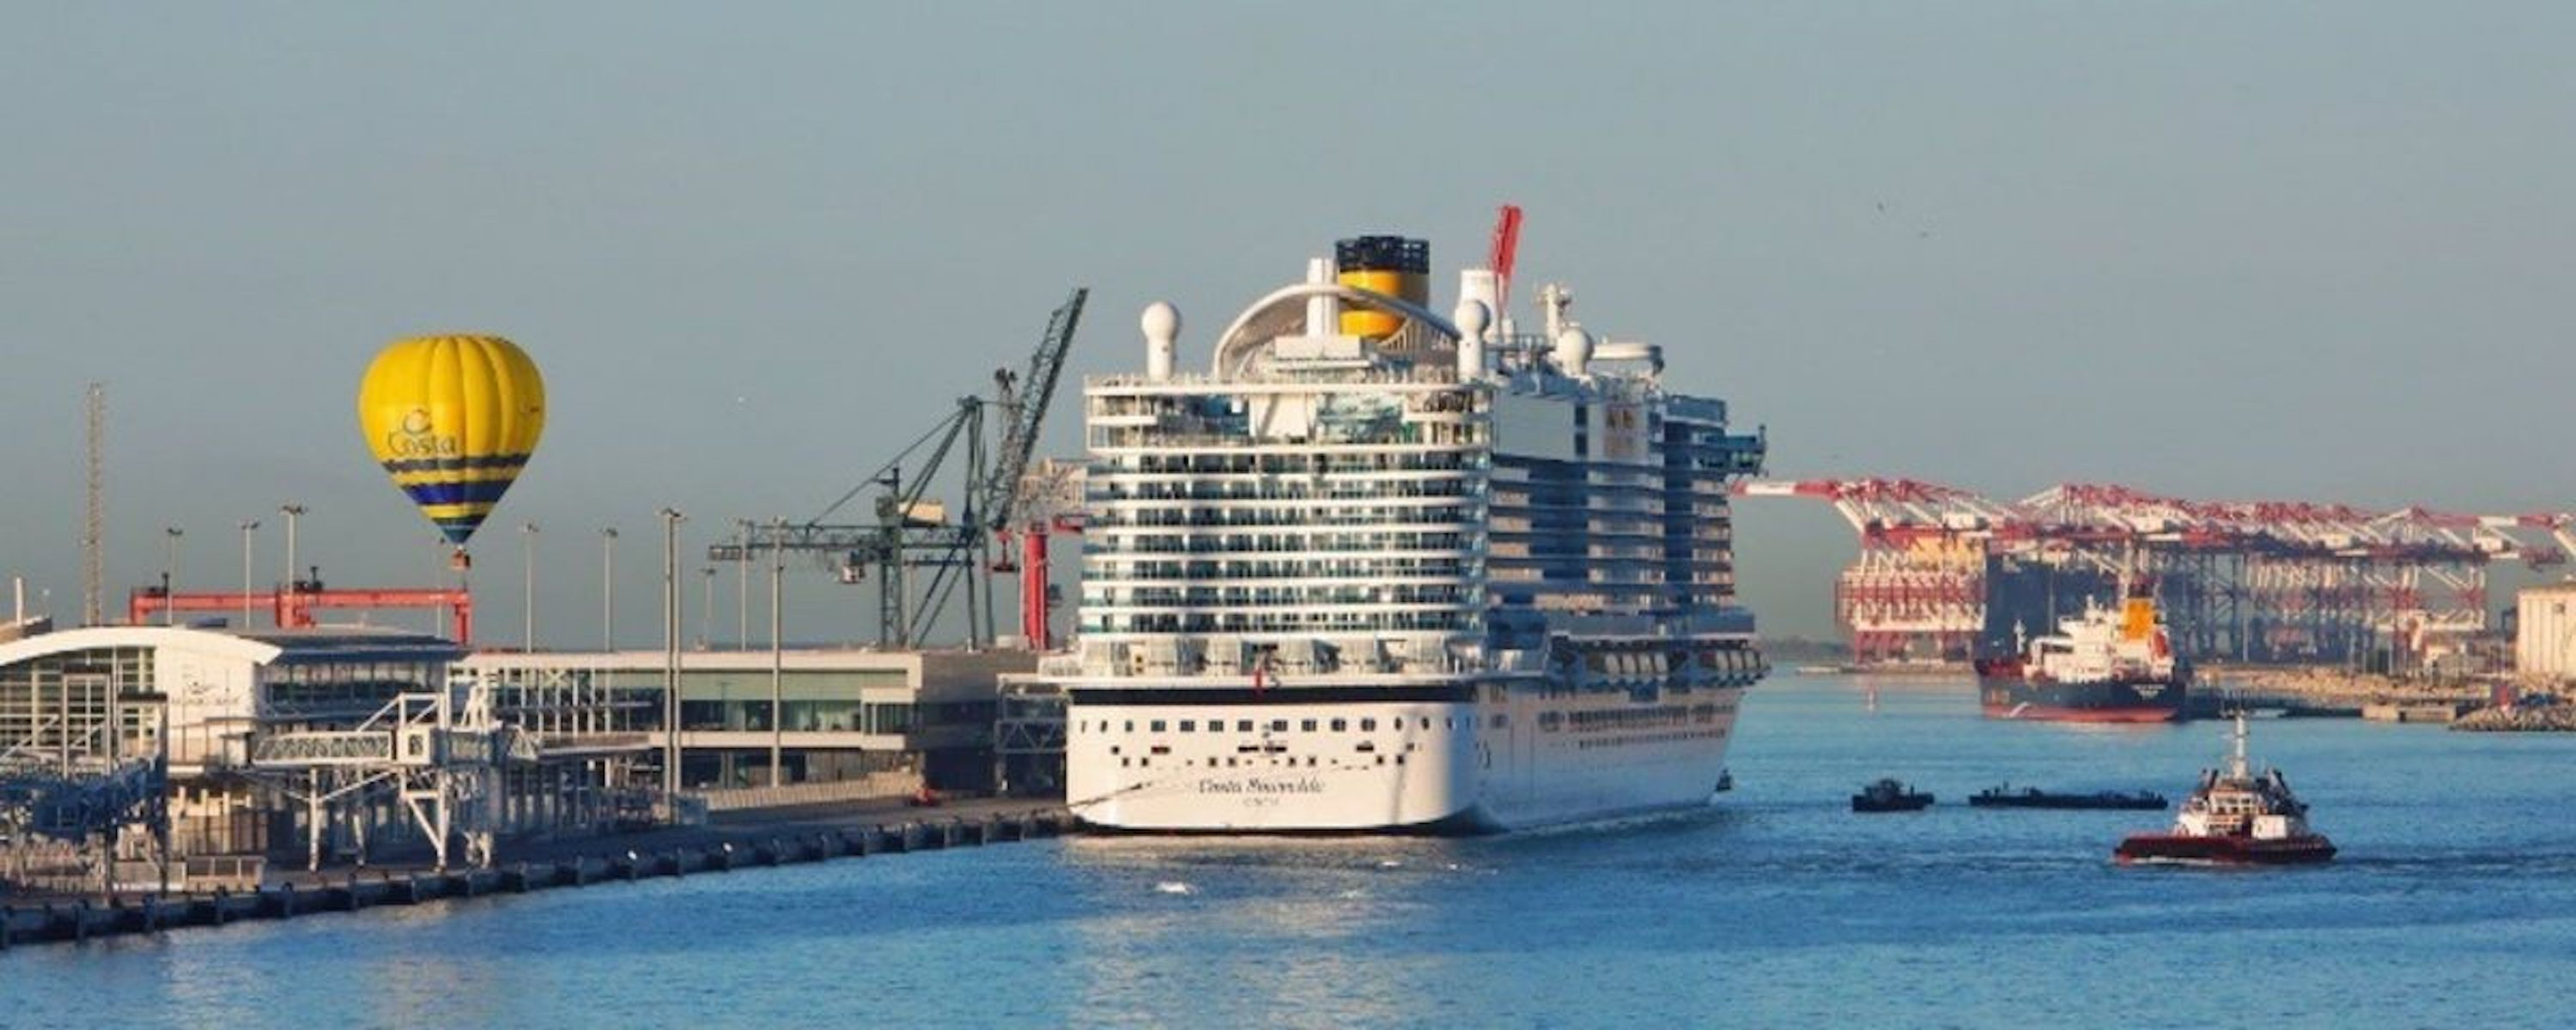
{"points": [[1507, 245]]}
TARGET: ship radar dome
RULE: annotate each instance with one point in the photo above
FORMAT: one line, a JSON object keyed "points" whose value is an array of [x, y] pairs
{"points": [[1472, 318], [1162, 325], [1573, 351]]}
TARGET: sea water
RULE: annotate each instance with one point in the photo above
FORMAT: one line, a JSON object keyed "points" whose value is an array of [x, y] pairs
{"points": [[2453, 903]]}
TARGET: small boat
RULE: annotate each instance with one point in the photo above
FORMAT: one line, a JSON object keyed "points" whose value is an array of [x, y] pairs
{"points": [[2236, 817], [2004, 796], [1889, 795]]}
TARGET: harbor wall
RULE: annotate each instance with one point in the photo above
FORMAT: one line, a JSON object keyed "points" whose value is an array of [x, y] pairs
{"points": [[83, 920]]}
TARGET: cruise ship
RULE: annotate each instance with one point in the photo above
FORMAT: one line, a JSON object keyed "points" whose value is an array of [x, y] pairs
{"points": [[1376, 569]]}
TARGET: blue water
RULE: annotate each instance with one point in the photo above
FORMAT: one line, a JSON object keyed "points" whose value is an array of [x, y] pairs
{"points": [[2454, 904]]}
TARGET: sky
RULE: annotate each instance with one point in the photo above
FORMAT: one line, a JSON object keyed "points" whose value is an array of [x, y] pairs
{"points": [[2220, 250]]}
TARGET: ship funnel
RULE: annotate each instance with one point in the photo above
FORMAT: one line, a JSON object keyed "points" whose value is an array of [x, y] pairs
{"points": [[2137, 618], [1392, 265], [1162, 326]]}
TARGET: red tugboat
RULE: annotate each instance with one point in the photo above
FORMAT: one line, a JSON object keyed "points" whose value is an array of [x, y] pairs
{"points": [[2102, 666], [2236, 817]]}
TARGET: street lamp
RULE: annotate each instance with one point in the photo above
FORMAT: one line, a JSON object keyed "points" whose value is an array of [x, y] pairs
{"points": [[170, 576], [742, 591], [292, 512], [777, 649], [608, 588], [248, 526], [706, 603], [528, 574], [671, 519]]}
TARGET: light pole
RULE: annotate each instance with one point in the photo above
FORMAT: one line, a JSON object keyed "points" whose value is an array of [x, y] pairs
{"points": [[671, 656], [777, 651], [438, 613], [742, 592], [528, 593], [170, 576], [248, 526], [292, 512], [706, 603], [608, 589]]}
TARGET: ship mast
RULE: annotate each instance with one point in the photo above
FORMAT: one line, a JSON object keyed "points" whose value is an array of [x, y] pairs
{"points": [[2237, 767]]}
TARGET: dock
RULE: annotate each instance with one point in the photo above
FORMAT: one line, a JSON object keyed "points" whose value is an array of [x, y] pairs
{"points": [[2332, 693], [745, 840]]}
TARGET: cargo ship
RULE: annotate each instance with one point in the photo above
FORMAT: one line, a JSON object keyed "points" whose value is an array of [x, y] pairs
{"points": [[2235, 817], [1374, 568], [2104, 665]]}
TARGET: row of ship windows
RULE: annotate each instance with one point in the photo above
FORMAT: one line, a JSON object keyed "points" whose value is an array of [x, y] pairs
{"points": [[1529, 575], [1506, 521], [1310, 515], [1366, 725], [1337, 568], [1202, 597], [1350, 541], [1280, 622], [1627, 718], [1657, 663], [1289, 464], [1549, 722], [1147, 761], [1649, 738], [1348, 434], [1115, 491]]}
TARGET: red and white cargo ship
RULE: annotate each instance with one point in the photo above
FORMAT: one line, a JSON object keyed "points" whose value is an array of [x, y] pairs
{"points": [[2101, 666]]}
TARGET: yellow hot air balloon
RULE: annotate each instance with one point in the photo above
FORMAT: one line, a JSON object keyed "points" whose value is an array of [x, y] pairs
{"points": [[453, 419]]}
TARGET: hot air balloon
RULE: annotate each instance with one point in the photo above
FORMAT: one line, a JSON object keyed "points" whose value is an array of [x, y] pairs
{"points": [[453, 419]]}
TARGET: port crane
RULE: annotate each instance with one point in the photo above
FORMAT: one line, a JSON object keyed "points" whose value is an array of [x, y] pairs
{"points": [[919, 556], [2244, 580]]}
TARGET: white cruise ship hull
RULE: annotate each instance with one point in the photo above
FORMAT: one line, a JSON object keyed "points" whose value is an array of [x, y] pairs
{"points": [[1284, 767]]}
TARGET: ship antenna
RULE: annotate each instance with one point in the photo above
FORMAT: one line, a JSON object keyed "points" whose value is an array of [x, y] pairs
{"points": [[2238, 768]]}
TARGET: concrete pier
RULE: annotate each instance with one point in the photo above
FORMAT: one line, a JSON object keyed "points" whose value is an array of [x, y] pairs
{"points": [[744, 840]]}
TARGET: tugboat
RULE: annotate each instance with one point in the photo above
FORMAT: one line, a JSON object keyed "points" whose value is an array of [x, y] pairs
{"points": [[1889, 795], [2003, 796], [2101, 666], [2236, 817]]}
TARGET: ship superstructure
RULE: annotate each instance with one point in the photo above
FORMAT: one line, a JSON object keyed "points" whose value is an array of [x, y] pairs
{"points": [[1380, 569]]}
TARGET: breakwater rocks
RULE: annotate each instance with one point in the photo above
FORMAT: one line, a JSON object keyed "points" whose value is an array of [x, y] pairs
{"points": [[2521, 719]]}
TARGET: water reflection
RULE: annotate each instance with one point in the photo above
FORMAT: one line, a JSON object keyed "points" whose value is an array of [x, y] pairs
{"points": [[1299, 932]]}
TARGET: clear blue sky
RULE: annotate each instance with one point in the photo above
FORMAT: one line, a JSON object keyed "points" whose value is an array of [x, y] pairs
{"points": [[2286, 250]]}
